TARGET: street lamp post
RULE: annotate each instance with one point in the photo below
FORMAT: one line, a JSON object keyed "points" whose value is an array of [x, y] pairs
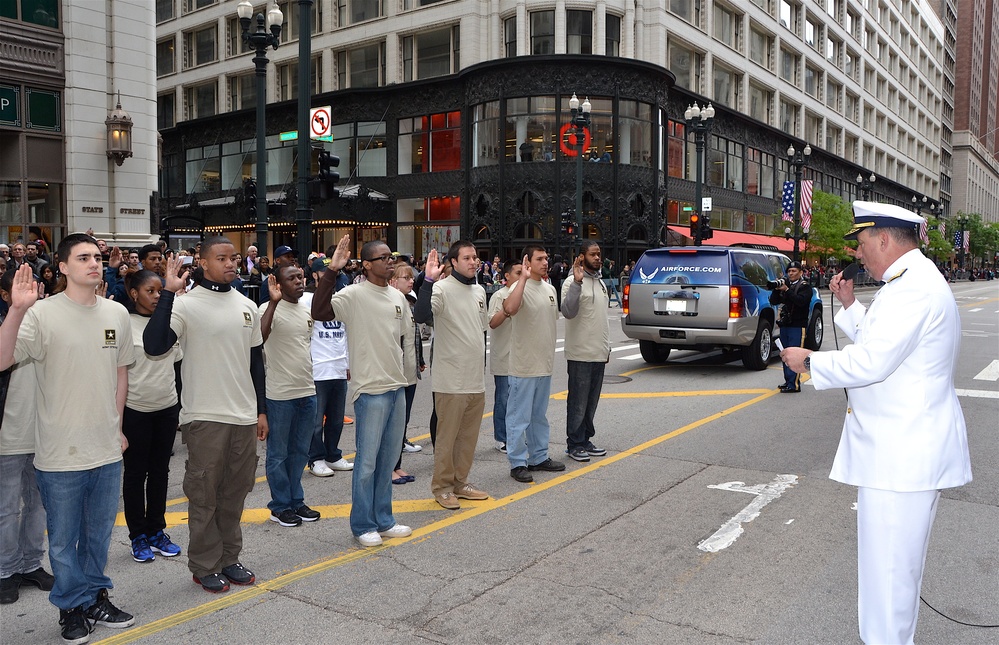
{"points": [[866, 186], [920, 204], [798, 160], [699, 122], [303, 211], [260, 40], [580, 119]]}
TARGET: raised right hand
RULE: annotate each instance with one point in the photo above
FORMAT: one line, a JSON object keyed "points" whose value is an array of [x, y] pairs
{"points": [[175, 280]]}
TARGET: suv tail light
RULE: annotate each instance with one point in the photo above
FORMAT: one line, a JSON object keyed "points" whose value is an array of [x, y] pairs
{"points": [[626, 299], [735, 302]]}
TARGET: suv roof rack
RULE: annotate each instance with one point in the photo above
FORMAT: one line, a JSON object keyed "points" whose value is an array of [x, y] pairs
{"points": [[761, 247]]}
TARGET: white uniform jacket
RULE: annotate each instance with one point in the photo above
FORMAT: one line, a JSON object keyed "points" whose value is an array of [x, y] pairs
{"points": [[904, 429]]}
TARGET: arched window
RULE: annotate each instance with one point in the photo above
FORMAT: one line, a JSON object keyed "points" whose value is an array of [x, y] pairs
{"points": [[482, 233], [528, 204], [527, 231]]}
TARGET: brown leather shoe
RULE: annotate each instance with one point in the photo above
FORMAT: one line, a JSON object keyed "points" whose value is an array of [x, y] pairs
{"points": [[448, 501], [470, 492]]}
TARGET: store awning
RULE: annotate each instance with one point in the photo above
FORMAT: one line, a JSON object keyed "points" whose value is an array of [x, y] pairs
{"points": [[728, 238]]}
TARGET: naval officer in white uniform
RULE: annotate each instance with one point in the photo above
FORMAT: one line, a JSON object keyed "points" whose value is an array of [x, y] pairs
{"points": [[904, 436]]}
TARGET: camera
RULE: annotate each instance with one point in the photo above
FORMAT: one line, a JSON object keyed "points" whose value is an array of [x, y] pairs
{"points": [[776, 284]]}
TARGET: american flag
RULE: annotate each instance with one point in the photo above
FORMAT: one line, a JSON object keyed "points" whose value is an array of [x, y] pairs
{"points": [[957, 239], [943, 229], [787, 201], [924, 235], [966, 241], [806, 205]]}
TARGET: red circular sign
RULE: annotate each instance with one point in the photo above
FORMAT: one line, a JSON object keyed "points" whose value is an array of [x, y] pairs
{"points": [[573, 141]]}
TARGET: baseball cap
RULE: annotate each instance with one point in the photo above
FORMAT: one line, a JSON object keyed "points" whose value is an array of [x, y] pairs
{"points": [[283, 250], [319, 264]]}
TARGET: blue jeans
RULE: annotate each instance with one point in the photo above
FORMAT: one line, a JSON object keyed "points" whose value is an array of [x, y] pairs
{"points": [[792, 337], [22, 529], [81, 507], [500, 396], [585, 382], [527, 428], [380, 421], [290, 425], [331, 403]]}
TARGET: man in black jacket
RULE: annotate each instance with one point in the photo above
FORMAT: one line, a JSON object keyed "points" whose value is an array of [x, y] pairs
{"points": [[795, 296]]}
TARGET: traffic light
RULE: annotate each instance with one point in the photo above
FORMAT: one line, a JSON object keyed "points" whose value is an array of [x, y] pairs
{"points": [[569, 226], [325, 182], [706, 231], [250, 198], [695, 226]]}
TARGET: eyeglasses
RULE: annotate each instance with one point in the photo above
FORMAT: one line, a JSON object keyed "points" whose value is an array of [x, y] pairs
{"points": [[388, 257]]}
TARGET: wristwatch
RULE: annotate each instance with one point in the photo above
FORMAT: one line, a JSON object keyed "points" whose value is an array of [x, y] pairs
{"points": [[808, 363]]}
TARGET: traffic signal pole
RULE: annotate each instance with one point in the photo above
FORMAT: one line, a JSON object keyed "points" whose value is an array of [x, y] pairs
{"points": [[303, 210]]}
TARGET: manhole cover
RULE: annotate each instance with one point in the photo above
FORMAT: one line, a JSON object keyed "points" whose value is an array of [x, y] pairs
{"points": [[616, 380]]}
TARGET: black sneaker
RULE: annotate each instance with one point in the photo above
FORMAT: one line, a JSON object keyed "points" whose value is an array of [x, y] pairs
{"points": [[40, 578], [102, 612], [75, 626], [287, 517], [306, 514], [9, 588], [520, 474], [549, 465], [579, 454], [238, 574], [213, 582], [593, 451]]}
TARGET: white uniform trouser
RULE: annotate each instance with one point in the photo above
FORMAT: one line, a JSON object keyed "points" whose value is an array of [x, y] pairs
{"points": [[893, 533]]}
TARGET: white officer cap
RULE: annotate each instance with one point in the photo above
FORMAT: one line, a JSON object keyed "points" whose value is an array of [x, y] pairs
{"points": [[874, 214]]}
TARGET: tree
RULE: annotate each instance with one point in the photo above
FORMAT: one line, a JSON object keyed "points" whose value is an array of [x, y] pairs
{"points": [[831, 219], [940, 246]]}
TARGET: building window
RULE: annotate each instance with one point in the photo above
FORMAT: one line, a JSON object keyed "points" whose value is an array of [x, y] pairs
{"points": [[686, 66], [850, 107], [194, 5], [759, 173], [832, 94], [789, 15], [412, 4], [510, 36], [37, 12], [201, 100], [813, 129], [542, 32], [531, 129], [635, 128], [850, 64], [430, 54], [242, 91], [579, 32], [760, 47], [485, 135], [812, 78], [726, 26], [430, 143], [689, 10], [726, 85], [236, 43], [288, 79], [166, 111], [166, 57], [203, 169], [789, 117], [789, 66], [612, 30], [293, 19], [350, 12], [833, 136], [199, 47], [812, 34], [725, 163], [676, 148], [165, 10], [361, 67], [760, 104], [833, 48]]}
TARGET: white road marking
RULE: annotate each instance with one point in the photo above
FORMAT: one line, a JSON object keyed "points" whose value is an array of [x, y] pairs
{"points": [[630, 357], [978, 394], [990, 373], [974, 311], [623, 347], [730, 531]]}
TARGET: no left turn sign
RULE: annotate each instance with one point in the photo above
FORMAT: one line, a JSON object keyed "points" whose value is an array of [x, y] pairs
{"points": [[320, 122]]}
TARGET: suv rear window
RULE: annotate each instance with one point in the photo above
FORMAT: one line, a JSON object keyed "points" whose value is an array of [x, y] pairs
{"points": [[699, 268]]}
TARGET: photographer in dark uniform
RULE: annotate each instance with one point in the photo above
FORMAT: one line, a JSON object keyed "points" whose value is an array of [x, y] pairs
{"points": [[795, 296]]}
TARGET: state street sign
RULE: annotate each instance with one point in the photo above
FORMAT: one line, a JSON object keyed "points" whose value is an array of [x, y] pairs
{"points": [[320, 122]]}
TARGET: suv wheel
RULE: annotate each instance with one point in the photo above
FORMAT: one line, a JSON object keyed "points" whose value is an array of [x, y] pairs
{"points": [[756, 355], [814, 332], [653, 352]]}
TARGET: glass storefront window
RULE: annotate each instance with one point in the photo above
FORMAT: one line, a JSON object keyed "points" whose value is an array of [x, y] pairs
{"points": [[485, 135], [531, 130], [10, 202], [636, 133], [203, 170], [601, 130], [430, 143]]}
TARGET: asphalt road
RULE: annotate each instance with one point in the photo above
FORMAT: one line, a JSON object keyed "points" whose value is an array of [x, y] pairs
{"points": [[711, 520]]}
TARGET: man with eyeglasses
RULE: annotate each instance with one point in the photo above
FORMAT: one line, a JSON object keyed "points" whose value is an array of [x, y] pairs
{"points": [[385, 326]]}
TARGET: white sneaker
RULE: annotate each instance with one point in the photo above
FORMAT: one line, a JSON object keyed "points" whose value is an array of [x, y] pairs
{"points": [[320, 469], [342, 464], [371, 538], [397, 531], [411, 447], [501, 447]]}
